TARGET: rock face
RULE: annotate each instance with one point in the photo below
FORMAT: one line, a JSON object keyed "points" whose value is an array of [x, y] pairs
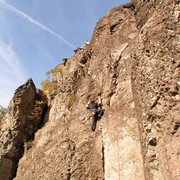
{"points": [[132, 63], [17, 127], [156, 86]]}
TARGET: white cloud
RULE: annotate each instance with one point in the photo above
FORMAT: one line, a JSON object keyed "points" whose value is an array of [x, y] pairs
{"points": [[33, 21], [12, 74]]}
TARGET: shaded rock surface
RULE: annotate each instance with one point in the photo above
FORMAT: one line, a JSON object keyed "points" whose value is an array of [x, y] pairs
{"points": [[17, 127], [132, 63]]}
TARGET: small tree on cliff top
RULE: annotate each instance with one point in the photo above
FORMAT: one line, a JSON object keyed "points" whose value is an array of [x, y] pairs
{"points": [[49, 84], [133, 1]]}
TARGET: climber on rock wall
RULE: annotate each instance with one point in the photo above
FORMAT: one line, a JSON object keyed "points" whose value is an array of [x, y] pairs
{"points": [[96, 110]]}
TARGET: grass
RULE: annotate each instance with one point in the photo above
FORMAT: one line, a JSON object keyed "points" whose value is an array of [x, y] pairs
{"points": [[71, 100]]}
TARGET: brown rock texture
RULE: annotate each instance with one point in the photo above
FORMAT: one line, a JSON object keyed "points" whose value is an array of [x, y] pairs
{"points": [[132, 62], [17, 127], [156, 83]]}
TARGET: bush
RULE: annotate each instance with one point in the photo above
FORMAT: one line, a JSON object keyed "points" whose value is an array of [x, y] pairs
{"points": [[50, 74], [71, 100], [55, 71], [49, 84], [134, 1]]}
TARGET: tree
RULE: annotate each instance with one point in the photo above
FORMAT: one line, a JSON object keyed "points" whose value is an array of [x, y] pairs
{"points": [[134, 1], [49, 84]]}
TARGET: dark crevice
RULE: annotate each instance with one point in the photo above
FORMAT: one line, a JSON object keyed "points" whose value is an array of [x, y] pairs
{"points": [[29, 139], [44, 116], [103, 159], [130, 6], [153, 142], [176, 127], [16, 161], [113, 27]]}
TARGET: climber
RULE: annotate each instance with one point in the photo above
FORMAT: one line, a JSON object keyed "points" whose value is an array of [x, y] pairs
{"points": [[96, 110], [64, 60]]}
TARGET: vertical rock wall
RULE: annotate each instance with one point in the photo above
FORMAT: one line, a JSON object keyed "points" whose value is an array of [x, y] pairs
{"points": [[132, 62], [156, 90], [66, 148], [113, 46], [17, 127]]}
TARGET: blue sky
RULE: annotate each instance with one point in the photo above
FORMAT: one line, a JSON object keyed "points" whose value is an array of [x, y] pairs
{"points": [[35, 35]]}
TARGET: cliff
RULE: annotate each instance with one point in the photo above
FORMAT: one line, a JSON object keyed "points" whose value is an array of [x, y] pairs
{"points": [[132, 63], [22, 120]]}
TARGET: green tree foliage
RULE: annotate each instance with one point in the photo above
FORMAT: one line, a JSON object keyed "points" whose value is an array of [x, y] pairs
{"points": [[48, 74], [55, 71], [35, 117], [134, 1], [49, 84]]}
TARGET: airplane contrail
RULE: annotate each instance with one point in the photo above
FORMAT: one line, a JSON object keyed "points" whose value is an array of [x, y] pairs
{"points": [[33, 21]]}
